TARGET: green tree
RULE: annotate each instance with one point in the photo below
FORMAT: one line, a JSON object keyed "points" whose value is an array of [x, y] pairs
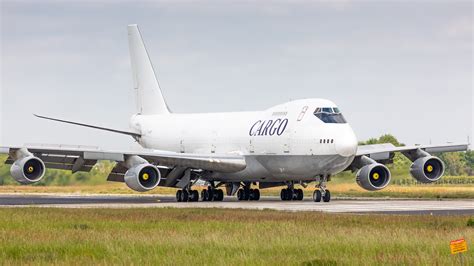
{"points": [[469, 159], [454, 162]]}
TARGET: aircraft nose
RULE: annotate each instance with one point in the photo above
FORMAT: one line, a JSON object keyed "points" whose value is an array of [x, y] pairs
{"points": [[346, 144]]}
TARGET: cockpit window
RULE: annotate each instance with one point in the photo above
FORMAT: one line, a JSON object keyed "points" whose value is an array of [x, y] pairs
{"points": [[327, 110], [330, 115]]}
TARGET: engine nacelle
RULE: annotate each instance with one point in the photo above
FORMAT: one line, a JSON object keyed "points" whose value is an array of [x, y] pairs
{"points": [[142, 177], [373, 177], [28, 170], [427, 169]]}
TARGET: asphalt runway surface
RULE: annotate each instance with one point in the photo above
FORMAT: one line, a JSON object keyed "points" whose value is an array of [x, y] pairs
{"points": [[385, 206]]}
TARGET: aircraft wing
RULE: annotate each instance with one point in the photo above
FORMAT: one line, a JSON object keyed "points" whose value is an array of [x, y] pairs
{"points": [[388, 147], [83, 158], [384, 153], [380, 150]]}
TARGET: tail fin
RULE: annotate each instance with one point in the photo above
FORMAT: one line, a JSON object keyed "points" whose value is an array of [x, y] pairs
{"points": [[150, 100]]}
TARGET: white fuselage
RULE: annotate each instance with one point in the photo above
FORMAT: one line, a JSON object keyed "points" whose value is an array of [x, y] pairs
{"points": [[285, 142]]}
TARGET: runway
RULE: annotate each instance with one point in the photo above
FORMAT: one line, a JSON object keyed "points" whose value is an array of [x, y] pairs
{"points": [[391, 206]]}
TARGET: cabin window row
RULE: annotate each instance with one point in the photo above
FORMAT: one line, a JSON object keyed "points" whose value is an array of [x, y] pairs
{"points": [[324, 141]]}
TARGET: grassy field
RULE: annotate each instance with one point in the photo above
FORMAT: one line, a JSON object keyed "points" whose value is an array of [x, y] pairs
{"points": [[337, 189], [217, 237]]}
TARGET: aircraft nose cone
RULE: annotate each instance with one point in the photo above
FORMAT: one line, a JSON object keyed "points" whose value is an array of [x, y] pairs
{"points": [[346, 144]]}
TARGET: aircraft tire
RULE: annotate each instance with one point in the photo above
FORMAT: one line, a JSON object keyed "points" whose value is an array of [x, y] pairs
{"points": [[178, 195], [184, 196], [240, 195], [255, 195], [203, 194], [283, 194], [317, 196], [246, 194], [299, 194], [193, 195], [327, 196], [220, 195]]}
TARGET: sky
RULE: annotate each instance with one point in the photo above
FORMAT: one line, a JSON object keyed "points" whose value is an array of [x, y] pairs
{"points": [[398, 67]]}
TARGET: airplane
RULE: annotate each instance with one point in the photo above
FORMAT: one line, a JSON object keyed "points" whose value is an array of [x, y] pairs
{"points": [[291, 144]]}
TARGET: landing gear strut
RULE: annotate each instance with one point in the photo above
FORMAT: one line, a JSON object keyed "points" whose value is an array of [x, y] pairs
{"points": [[321, 192], [291, 193], [247, 193]]}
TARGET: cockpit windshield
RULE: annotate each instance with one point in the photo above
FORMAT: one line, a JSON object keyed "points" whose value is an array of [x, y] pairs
{"points": [[330, 115]]}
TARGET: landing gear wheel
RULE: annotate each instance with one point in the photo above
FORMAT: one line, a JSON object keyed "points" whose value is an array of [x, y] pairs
{"points": [[246, 194], [178, 195], [240, 194], [196, 195], [217, 194], [283, 194], [210, 193], [221, 195], [184, 196], [254, 194], [327, 196], [299, 194], [205, 195], [317, 196], [193, 195], [286, 194]]}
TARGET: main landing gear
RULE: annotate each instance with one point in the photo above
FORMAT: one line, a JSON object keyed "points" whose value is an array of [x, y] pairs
{"points": [[321, 192], [291, 193], [247, 193], [186, 195], [212, 194]]}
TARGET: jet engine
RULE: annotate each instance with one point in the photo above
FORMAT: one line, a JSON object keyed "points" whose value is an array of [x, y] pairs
{"points": [[427, 169], [373, 176], [28, 170], [142, 177]]}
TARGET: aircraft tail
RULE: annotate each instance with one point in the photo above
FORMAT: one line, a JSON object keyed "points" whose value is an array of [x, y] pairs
{"points": [[149, 97]]}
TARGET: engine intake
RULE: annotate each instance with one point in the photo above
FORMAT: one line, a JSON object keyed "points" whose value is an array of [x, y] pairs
{"points": [[427, 169], [373, 177], [28, 170], [143, 177]]}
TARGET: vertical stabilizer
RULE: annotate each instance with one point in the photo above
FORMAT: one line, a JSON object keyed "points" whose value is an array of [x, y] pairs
{"points": [[149, 96]]}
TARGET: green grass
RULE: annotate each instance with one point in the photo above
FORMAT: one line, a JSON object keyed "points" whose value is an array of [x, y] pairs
{"points": [[217, 237]]}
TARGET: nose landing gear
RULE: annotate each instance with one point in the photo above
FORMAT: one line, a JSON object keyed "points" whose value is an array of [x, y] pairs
{"points": [[321, 192]]}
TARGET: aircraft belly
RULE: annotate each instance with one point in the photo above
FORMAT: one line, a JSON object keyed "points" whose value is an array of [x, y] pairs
{"points": [[286, 167]]}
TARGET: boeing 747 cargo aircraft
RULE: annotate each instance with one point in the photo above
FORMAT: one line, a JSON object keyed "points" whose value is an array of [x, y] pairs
{"points": [[290, 145]]}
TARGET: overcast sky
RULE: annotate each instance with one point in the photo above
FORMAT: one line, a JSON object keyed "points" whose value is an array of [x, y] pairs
{"points": [[399, 67]]}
